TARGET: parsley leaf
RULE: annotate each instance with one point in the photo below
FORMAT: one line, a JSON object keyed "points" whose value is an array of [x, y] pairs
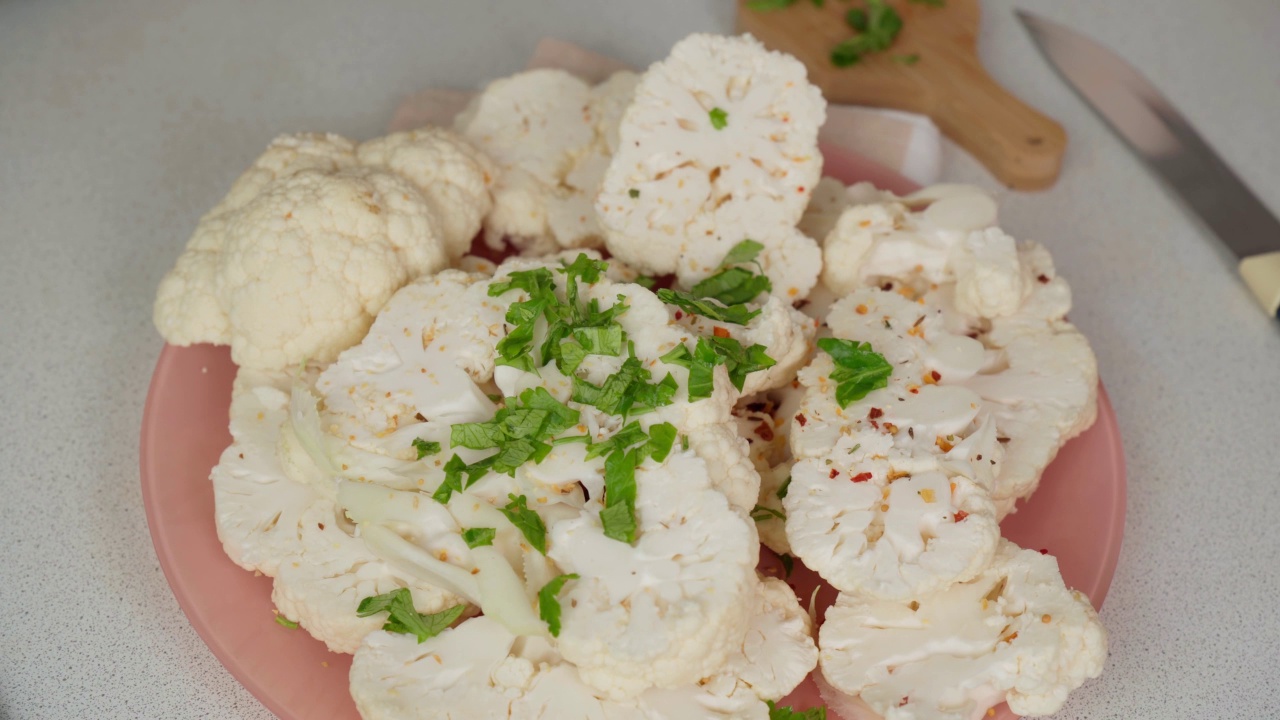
{"points": [[633, 193], [740, 361], [786, 713], [476, 537], [734, 314], [477, 435], [744, 252], [782, 490], [403, 618], [877, 26], [788, 563], [425, 447], [619, 515], [626, 390], [645, 282], [859, 369], [713, 351], [661, 437], [760, 513], [732, 286], [719, 118], [549, 605], [452, 480], [526, 521]]}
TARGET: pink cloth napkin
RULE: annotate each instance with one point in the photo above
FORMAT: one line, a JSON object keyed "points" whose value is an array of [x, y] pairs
{"points": [[905, 142]]}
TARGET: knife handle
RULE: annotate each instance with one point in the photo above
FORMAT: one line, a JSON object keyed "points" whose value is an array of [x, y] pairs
{"points": [[1262, 274]]}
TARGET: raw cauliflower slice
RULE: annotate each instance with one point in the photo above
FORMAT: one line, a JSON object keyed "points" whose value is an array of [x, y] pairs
{"points": [[551, 135], [787, 332], [330, 570], [257, 507], [720, 145], [1014, 633], [479, 669], [455, 178], [895, 239], [672, 607], [295, 262], [419, 369]]}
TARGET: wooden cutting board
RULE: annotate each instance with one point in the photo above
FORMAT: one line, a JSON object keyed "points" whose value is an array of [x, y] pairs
{"points": [[1020, 146]]}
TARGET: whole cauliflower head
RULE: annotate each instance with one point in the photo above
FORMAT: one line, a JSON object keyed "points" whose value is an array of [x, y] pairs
{"points": [[1014, 634], [305, 249], [719, 145]]}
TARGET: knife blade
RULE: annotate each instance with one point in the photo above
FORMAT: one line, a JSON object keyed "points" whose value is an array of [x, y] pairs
{"points": [[1171, 148]]}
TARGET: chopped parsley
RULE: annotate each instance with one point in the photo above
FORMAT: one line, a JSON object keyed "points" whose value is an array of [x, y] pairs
{"points": [[285, 622], [526, 521], [713, 310], [645, 282], [478, 537], [520, 431], [782, 490], [425, 447], [859, 369], [549, 605], [627, 391], [877, 26], [786, 713], [403, 618], [760, 513], [719, 118], [744, 252], [618, 518], [633, 193], [710, 352]]}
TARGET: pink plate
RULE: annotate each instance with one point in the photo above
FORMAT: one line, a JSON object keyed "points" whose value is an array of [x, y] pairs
{"points": [[1077, 515]]}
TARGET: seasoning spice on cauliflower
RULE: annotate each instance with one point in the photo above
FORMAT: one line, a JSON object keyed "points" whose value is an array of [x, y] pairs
{"points": [[1003, 318], [309, 244], [551, 135], [1012, 634], [719, 146]]}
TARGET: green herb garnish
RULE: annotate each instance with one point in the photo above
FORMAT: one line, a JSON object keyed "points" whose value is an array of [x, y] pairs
{"points": [[719, 118], [403, 618], [877, 27], [285, 622], [859, 369], [760, 513], [549, 604], [786, 713], [425, 447], [710, 309], [528, 522], [479, 537]]}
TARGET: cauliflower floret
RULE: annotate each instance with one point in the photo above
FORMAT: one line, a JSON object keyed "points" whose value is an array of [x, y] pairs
{"points": [[328, 571], [301, 254], [257, 507], [831, 198], [670, 608], [1023, 367], [480, 670], [453, 176], [419, 369], [720, 145], [764, 425], [1014, 633], [883, 239], [785, 331], [551, 135]]}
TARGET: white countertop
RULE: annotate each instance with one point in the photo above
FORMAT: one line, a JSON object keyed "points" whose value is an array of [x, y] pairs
{"points": [[120, 123]]}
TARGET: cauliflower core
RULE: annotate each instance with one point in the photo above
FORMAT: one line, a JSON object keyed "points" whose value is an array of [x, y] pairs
{"points": [[1014, 633], [309, 244], [720, 145]]}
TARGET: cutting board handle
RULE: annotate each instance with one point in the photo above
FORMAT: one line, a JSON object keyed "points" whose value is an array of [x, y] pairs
{"points": [[1018, 144]]}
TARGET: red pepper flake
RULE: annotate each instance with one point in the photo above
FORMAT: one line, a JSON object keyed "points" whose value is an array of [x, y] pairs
{"points": [[1044, 551], [765, 431], [834, 473], [800, 189], [1043, 279], [887, 287], [961, 515], [875, 413], [937, 376], [679, 314], [861, 477], [801, 419], [903, 701], [721, 332]]}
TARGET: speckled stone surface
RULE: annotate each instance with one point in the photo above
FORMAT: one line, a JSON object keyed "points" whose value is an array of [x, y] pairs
{"points": [[121, 122]]}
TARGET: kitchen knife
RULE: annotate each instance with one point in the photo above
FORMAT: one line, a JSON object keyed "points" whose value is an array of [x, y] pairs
{"points": [[1159, 134]]}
